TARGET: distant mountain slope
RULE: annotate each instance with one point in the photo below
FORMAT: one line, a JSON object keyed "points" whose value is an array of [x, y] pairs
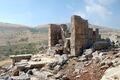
{"points": [[42, 28], [8, 27], [102, 29], [18, 34]]}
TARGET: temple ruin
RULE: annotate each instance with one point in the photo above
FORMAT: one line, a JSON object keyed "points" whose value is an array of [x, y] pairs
{"points": [[80, 37]]}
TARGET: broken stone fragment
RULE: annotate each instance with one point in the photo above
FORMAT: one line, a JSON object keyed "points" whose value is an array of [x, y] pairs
{"points": [[15, 71], [82, 58], [44, 75], [112, 74], [116, 62], [20, 78], [88, 51], [58, 75], [115, 40], [99, 45], [18, 58], [57, 67], [34, 78], [62, 59], [78, 67]]}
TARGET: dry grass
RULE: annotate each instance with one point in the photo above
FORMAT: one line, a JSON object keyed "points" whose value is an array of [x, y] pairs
{"points": [[5, 62]]}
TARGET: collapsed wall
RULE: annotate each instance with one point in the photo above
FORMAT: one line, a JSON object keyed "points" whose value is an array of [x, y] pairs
{"points": [[81, 35], [53, 34], [56, 33]]}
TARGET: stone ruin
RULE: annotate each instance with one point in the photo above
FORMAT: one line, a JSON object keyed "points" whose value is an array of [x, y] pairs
{"points": [[81, 36]]}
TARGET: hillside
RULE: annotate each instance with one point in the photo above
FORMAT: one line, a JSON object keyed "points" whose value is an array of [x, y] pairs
{"points": [[8, 27], [42, 28], [15, 33]]}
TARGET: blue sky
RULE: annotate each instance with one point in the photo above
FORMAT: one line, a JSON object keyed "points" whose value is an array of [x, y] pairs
{"points": [[36, 12]]}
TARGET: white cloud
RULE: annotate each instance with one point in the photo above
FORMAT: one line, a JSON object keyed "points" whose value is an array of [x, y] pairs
{"points": [[97, 8], [106, 2]]}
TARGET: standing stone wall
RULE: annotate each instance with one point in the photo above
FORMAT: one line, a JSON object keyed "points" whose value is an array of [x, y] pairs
{"points": [[79, 34], [90, 36], [54, 34]]}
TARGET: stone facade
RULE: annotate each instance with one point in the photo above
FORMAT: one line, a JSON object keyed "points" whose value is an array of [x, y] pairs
{"points": [[54, 34], [81, 36]]}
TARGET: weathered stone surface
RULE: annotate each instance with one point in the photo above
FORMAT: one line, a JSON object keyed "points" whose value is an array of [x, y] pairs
{"points": [[54, 34], [62, 59], [21, 76], [18, 58], [96, 36], [116, 62], [112, 74], [15, 71], [34, 78], [57, 67], [58, 75], [88, 51], [115, 39], [81, 36], [43, 75], [101, 45], [78, 35], [78, 67], [83, 58]]}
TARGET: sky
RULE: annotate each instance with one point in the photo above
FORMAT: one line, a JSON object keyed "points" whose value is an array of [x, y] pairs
{"points": [[36, 12]]}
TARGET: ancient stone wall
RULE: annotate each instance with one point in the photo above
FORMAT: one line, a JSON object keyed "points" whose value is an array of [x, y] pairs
{"points": [[90, 36], [79, 34], [54, 34]]}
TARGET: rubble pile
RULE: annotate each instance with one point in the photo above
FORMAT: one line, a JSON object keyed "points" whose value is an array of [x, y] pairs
{"points": [[92, 65]]}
